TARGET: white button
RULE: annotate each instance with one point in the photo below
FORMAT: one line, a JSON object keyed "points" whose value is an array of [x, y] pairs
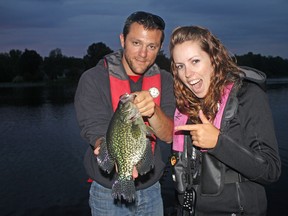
{"points": [[154, 92]]}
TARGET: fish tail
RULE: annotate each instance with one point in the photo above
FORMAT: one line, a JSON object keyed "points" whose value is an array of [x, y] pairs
{"points": [[124, 188]]}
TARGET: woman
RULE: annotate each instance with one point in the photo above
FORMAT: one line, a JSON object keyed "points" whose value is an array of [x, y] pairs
{"points": [[232, 159]]}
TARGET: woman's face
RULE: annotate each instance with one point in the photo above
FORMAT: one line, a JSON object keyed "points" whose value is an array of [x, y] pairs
{"points": [[193, 67]]}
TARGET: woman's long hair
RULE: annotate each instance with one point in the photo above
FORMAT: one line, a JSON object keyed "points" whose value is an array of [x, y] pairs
{"points": [[225, 72]]}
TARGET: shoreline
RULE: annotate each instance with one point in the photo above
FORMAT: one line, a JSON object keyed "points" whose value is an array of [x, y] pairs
{"points": [[270, 81], [36, 84]]}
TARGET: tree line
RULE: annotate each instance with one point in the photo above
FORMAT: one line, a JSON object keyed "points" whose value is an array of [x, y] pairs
{"points": [[29, 66]]}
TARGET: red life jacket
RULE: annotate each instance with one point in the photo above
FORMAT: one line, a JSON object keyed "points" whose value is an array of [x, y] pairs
{"points": [[121, 86]]}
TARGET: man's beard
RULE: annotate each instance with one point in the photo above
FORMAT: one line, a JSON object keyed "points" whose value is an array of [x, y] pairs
{"points": [[133, 68]]}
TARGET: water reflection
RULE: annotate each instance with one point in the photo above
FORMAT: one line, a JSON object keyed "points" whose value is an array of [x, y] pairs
{"points": [[41, 150], [278, 98], [37, 95]]}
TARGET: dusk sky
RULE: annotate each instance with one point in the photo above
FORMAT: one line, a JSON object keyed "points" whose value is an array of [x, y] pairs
{"points": [[258, 26]]}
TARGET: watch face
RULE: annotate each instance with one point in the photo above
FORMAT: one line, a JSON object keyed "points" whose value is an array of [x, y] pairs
{"points": [[154, 92]]}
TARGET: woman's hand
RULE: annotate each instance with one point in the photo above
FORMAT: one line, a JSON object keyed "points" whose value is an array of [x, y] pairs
{"points": [[203, 135]]}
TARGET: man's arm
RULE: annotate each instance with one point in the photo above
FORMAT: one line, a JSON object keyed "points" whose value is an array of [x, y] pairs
{"points": [[162, 125], [92, 106], [158, 120]]}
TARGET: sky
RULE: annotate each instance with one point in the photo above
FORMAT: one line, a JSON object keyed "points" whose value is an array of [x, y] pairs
{"points": [[258, 26]]}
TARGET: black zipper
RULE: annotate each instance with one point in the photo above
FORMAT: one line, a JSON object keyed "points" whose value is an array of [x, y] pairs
{"points": [[241, 208]]}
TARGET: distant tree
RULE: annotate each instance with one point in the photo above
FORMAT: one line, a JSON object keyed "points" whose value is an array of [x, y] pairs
{"points": [[55, 53], [9, 65], [272, 66], [276, 66], [29, 65], [57, 66], [74, 68], [5, 71], [53, 65], [95, 52], [162, 61], [15, 56]]}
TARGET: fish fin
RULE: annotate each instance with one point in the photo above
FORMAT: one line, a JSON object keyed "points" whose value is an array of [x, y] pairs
{"points": [[105, 162], [124, 188], [146, 129], [146, 163], [149, 130]]}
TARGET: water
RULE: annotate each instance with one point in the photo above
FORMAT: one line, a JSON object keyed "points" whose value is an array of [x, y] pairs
{"points": [[278, 101], [41, 152]]}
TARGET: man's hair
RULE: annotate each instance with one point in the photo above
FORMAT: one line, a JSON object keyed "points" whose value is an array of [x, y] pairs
{"points": [[148, 20]]}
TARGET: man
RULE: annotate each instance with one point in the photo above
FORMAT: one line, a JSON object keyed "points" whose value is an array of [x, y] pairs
{"points": [[131, 69]]}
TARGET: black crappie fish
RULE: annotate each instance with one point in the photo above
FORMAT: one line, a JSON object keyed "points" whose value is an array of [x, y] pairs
{"points": [[126, 146]]}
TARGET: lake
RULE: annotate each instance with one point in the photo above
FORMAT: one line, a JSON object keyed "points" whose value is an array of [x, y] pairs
{"points": [[41, 153]]}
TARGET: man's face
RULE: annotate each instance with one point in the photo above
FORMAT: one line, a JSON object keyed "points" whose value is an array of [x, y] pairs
{"points": [[140, 49]]}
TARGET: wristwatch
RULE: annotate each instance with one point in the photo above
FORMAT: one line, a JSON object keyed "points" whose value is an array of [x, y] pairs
{"points": [[154, 92]]}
